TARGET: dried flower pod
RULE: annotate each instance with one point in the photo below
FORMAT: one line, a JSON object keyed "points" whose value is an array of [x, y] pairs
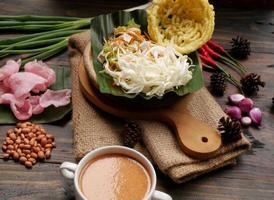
{"points": [[251, 82], [240, 47], [132, 134], [218, 83], [230, 130]]}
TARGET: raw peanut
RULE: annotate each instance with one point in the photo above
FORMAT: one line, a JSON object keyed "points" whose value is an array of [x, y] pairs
{"points": [[21, 145], [53, 145], [41, 155], [8, 151], [26, 151], [47, 154], [22, 155], [31, 134], [27, 146], [18, 140], [39, 137], [18, 124], [36, 149], [32, 141], [25, 130], [50, 141], [10, 131], [31, 160], [15, 156], [33, 155], [4, 147], [28, 123], [6, 156], [15, 146], [12, 152], [28, 164], [26, 141], [23, 125], [10, 147], [22, 136], [50, 136], [19, 151], [48, 146], [43, 130], [28, 156], [17, 130], [34, 130], [22, 159], [12, 136], [5, 142], [35, 143], [44, 141], [9, 141]]}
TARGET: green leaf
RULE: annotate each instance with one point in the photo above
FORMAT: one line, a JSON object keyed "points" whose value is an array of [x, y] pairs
{"points": [[102, 27], [51, 113]]}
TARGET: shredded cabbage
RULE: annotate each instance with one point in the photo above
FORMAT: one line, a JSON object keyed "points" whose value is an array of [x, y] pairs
{"points": [[138, 65]]}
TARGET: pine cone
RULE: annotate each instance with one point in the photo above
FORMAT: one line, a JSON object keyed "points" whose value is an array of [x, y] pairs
{"points": [[240, 47], [218, 83], [230, 130], [132, 134], [250, 83]]}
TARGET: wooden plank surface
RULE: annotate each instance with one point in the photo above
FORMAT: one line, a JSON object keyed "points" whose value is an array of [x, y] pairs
{"points": [[251, 178]]}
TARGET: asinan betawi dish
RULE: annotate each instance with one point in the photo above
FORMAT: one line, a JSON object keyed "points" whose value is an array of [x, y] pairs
{"points": [[139, 65], [186, 24]]}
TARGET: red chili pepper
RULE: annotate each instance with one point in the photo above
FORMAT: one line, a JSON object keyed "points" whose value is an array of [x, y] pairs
{"points": [[203, 51], [208, 60], [216, 47], [211, 52]]}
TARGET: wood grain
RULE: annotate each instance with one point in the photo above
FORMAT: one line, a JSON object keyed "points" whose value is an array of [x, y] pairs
{"points": [[251, 178]]}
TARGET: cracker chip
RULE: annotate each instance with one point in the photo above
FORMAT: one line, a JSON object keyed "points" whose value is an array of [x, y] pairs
{"points": [[187, 24]]}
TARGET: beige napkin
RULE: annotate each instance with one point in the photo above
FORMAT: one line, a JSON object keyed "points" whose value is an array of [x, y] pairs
{"points": [[93, 128]]}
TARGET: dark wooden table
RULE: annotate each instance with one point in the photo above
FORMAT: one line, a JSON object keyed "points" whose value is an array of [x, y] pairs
{"points": [[251, 178]]}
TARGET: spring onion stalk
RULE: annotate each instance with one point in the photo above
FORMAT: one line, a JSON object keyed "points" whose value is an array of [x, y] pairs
{"points": [[38, 43], [46, 54], [33, 51], [23, 18], [15, 23], [76, 24], [45, 36]]}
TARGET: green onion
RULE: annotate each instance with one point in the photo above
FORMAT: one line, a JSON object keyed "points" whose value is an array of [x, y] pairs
{"points": [[50, 37], [15, 23], [23, 18], [38, 43]]}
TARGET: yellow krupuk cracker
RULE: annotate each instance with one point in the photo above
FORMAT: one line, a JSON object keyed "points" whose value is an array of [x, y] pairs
{"points": [[187, 24]]}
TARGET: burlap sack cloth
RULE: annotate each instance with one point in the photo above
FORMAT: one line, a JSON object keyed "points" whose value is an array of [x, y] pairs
{"points": [[93, 128]]}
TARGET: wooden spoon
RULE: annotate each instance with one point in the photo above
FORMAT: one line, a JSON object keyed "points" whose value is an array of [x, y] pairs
{"points": [[196, 138]]}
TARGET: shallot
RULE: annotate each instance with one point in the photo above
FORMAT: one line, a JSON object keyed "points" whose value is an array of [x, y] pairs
{"points": [[235, 99], [246, 121], [246, 105], [256, 116], [234, 112]]}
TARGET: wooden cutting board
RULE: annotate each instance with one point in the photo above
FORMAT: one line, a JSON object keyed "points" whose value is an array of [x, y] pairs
{"points": [[196, 138]]}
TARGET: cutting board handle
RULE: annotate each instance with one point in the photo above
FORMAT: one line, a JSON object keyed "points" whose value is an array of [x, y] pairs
{"points": [[196, 138]]}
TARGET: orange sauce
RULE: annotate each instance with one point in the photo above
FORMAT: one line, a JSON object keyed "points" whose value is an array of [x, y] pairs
{"points": [[114, 177]]}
